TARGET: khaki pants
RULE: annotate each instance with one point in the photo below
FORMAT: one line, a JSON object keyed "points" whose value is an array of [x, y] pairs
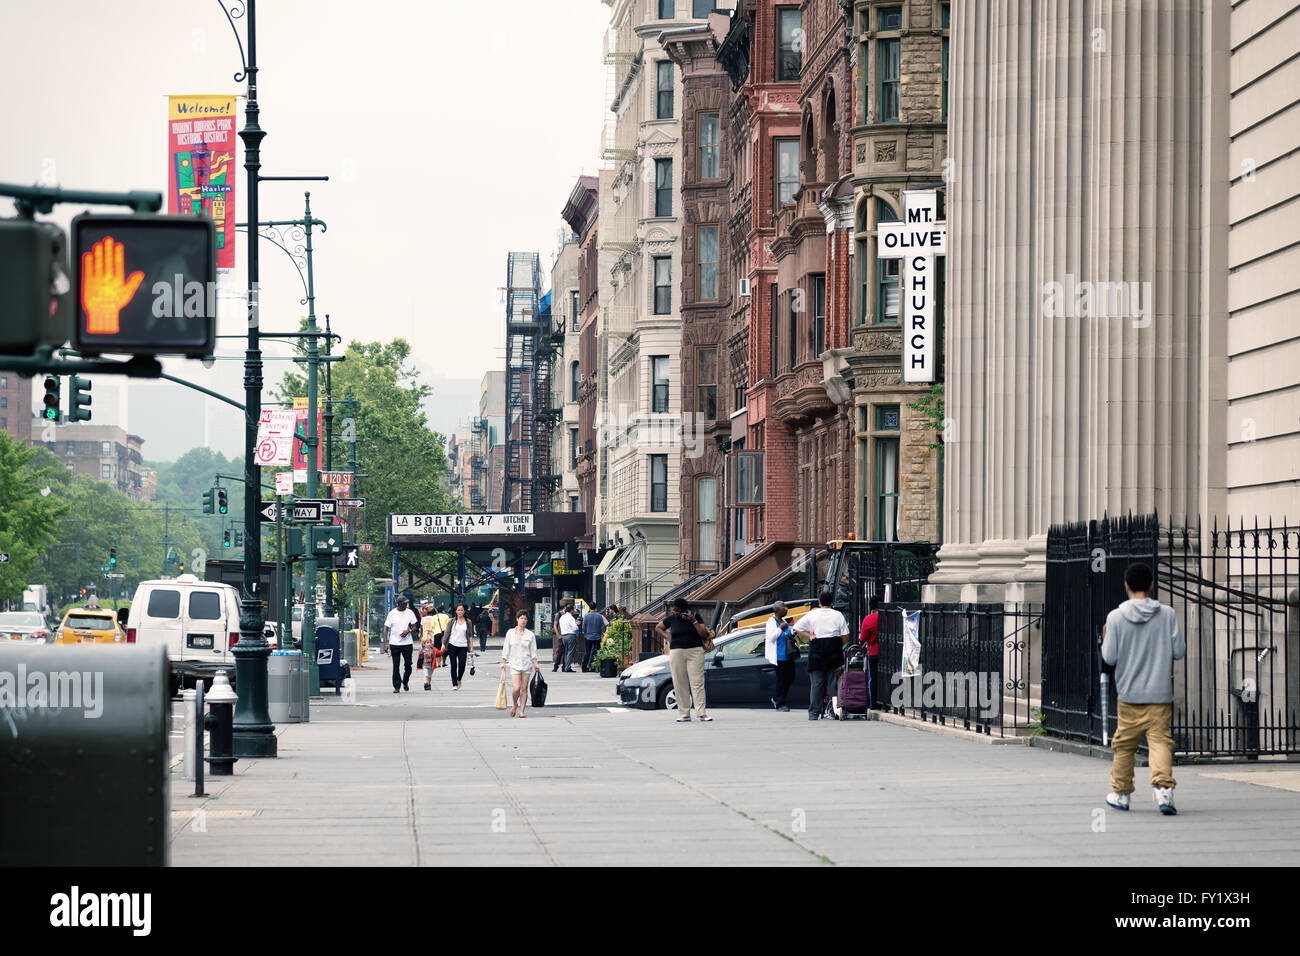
{"points": [[688, 679], [1134, 721]]}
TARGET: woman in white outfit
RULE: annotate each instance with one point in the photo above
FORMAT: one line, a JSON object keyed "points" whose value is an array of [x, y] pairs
{"points": [[519, 653], [456, 642]]}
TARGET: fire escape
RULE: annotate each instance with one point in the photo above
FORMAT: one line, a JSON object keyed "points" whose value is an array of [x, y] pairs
{"points": [[550, 342], [524, 328], [477, 469]]}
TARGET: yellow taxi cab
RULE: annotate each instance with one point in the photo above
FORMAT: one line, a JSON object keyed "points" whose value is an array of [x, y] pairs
{"points": [[85, 625]]}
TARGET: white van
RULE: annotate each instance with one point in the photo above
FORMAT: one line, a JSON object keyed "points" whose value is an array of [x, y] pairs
{"points": [[197, 621]]}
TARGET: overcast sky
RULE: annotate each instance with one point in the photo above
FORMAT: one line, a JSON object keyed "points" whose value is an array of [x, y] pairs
{"points": [[452, 133]]}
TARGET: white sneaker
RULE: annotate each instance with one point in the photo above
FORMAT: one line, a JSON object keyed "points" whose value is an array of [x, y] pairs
{"points": [[1164, 798], [1117, 801]]}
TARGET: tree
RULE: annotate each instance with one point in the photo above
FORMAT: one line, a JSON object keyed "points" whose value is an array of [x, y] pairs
{"points": [[29, 511], [404, 460]]}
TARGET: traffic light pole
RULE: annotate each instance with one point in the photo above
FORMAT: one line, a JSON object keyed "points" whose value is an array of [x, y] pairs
{"points": [[313, 473]]}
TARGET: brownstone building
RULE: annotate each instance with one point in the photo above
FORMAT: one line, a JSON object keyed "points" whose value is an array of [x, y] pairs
{"points": [[16, 406], [811, 250], [709, 320]]}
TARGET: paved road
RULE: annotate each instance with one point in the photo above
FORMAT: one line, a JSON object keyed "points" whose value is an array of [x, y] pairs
{"points": [[443, 778]]}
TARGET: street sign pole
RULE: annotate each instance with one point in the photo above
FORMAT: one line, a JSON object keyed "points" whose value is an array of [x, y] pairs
{"points": [[313, 442]]}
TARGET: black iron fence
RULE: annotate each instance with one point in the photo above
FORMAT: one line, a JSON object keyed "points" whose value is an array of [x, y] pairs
{"points": [[1236, 593], [968, 665]]}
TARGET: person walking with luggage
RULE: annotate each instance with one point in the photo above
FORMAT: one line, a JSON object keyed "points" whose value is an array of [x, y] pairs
{"points": [[399, 633], [684, 635], [519, 661], [869, 637], [456, 645], [779, 637], [828, 631], [1141, 640], [566, 627], [593, 632]]}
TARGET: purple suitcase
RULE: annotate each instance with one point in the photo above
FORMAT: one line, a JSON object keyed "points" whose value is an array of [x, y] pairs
{"points": [[853, 692]]}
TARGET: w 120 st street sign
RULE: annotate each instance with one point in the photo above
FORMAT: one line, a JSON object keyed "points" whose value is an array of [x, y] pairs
{"points": [[461, 524]]}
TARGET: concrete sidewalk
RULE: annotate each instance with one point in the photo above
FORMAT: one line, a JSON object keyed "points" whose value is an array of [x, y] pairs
{"points": [[440, 777]]}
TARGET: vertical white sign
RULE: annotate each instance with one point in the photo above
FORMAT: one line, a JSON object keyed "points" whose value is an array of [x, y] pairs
{"points": [[916, 241]]}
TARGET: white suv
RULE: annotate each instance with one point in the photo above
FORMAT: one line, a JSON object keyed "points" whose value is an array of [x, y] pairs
{"points": [[197, 621]]}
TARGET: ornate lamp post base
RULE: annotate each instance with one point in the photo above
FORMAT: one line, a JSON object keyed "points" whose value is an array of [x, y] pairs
{"points": [[254, 732]]}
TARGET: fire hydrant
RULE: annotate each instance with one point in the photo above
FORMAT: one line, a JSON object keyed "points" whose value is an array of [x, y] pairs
{"points": [[220, 722]]}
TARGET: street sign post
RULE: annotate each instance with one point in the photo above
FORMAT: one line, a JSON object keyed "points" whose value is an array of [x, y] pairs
{"points": [[4, 557]]}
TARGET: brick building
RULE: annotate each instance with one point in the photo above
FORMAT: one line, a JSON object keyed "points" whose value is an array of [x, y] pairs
{"points": [[16, 405], [106, 453], [707, 288]]}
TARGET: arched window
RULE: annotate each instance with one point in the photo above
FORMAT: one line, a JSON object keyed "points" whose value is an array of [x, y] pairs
{"points": [[830, 140], [575, 375]]}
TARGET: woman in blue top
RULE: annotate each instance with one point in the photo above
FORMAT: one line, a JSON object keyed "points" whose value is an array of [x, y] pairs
{"points": [[776, 650]]}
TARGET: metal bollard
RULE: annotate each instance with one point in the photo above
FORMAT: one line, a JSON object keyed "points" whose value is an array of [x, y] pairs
{"points": [[191, 728], [221, 722], [201, 724]]}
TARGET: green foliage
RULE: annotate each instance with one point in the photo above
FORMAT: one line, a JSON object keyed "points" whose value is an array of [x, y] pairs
{"points": [[617, 644], [27, 516], [932, 407], [404, 460]]}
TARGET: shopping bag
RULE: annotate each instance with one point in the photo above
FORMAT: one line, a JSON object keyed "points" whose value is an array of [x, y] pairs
{"points": [[538, 690], [503, 698]]}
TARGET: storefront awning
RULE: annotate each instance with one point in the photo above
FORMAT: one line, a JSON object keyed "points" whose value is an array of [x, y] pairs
{"points": [[607, 560]]}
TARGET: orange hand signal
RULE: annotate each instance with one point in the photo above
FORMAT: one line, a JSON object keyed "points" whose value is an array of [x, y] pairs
{"points": [[105, 288]]}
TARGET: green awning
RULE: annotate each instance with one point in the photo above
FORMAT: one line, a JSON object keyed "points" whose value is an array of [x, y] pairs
{"points": [[607, 560]]}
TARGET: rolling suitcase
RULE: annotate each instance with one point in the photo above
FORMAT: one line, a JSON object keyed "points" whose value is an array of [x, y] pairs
{"points": [[854, 700]]}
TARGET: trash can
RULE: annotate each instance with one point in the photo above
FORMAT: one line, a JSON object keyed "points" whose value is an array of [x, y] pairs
{"points": [[350, 648], [279, 676]]}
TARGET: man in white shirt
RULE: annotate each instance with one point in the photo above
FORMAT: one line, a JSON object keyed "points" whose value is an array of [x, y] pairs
{"points": [[399, 631], [567, 625], [828, 630]]}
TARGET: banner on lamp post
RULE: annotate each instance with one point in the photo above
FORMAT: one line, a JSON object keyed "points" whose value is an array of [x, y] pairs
{"points": [[201, 165]]}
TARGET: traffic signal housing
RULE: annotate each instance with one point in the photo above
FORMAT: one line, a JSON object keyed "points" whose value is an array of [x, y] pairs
{"points": [[51, 410], [34, 293], [112, 559], [225, 539], [78, 399], [223, 506], [209, 501]]}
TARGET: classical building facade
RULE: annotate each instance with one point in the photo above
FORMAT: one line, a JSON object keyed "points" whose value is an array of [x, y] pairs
{"points": [[1122, 332], [573, 284], [707, 294]]}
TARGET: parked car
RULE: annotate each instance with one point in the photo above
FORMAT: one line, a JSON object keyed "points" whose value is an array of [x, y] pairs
{"points": [[25, 626], [89, 625], [736, 674], [197, 621]]}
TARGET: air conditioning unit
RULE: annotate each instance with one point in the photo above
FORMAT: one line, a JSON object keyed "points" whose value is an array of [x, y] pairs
{"points": [[744, 285]]}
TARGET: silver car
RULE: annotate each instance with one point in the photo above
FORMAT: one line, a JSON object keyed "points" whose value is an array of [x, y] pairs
{"points": [[25, 626]]}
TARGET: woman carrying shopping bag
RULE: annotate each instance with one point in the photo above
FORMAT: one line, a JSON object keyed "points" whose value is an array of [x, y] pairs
{"points": [[519, 659]]}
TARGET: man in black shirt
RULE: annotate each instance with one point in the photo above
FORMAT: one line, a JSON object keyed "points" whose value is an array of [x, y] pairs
{"points": [[684, 635]]}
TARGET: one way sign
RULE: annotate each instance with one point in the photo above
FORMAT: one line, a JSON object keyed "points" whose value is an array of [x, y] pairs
{"points": [[348, 559], [267, 513]]}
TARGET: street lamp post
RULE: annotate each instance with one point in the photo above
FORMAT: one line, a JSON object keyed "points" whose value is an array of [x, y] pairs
{"points": [[254, 734]]}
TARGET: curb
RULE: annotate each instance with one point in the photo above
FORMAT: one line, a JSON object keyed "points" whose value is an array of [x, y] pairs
{"points": [[946, 731]]}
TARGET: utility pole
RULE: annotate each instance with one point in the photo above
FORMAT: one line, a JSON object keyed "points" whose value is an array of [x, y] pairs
{"points": [[313, 474], [329, 457]]}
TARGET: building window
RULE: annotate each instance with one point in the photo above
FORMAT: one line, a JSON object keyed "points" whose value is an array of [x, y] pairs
{"points": [[4, 401], [886, 489], [4, 381], [943, 92], [4, 423], [748, 473], [787, 170], [709, 145], [665, 9], [701, 8], [575, 381], [659, 383], [573, 447], [658, 482], [573, 308], [72, 448], [664, 88], [663, 272], [706, 383], [887, 271], [795, 301], [573, 502], [775, 331], [738, 389], [706, 520], [106, 448], [819, 315], [707, 287], [106, 470], [887, 59], [663, 187], [789, 50]]}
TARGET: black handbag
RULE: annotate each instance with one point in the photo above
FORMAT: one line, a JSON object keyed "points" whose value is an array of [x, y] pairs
{"points": [[537, 689]]}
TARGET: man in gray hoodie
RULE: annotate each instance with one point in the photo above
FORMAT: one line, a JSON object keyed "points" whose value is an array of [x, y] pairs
{"points": [[1141, 641]]}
